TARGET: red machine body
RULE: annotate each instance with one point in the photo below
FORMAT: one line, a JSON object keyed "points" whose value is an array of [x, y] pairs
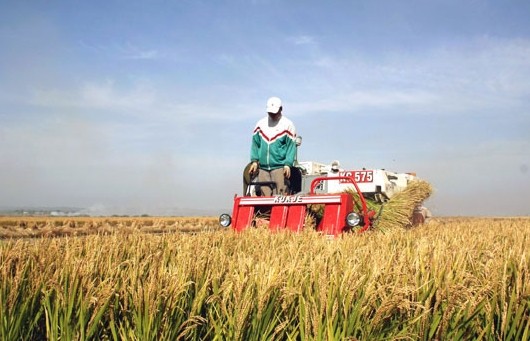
{"points": [[289, 212]]}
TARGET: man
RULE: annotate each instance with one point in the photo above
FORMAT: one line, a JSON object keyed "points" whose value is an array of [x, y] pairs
{"points": [[273, 148]]}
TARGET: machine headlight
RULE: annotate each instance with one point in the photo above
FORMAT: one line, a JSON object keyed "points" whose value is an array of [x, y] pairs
{"points": [[225, 220], [353, 219]]}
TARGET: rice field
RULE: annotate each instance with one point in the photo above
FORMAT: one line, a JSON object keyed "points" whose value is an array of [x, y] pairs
{"points": [[142, 279], [37, 227]]}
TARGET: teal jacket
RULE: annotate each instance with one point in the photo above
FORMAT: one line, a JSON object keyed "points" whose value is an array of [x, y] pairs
{"points": [[273, 143]]}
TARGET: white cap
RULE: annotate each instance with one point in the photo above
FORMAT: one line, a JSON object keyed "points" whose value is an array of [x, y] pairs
{"points": [[273, 105]]}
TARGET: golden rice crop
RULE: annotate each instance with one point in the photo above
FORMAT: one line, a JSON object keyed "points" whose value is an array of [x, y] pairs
{"points": [[448, 280], [35, 227]]}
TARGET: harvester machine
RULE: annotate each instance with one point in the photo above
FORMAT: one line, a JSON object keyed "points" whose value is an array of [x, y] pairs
{"points": [[333, 198]]}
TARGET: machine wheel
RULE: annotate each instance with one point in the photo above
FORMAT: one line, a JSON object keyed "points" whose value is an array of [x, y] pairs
{"points": [[246, 178]]}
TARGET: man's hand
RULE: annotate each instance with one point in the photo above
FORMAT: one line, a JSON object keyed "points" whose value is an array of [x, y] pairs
{"points": [[253, 168], [287, 171]]}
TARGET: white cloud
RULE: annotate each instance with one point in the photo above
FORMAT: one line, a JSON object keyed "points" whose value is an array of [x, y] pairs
{"points": [[487, 76], [106, 95], [361, 100], [132, 51], [141, 99], [143, 55], [303, 40], [96, 95], [126, 50]]}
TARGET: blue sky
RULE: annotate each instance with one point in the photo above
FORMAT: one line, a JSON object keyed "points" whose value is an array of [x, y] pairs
{"points": [[145, 106]]}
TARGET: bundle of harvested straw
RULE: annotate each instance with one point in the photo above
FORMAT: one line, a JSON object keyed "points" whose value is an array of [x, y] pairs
{"points": [[397, 212]]}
